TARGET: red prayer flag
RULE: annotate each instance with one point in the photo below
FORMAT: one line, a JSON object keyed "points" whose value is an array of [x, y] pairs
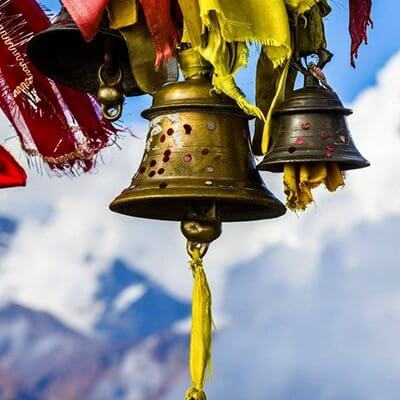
{"points": [[11, 173], [63, 126], [164, 20], [360, 19]]}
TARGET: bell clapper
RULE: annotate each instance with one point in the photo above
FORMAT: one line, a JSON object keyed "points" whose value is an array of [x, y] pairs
{"points": [[110, 93]]}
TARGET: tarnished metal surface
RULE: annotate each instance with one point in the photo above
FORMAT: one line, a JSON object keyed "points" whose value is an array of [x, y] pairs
{"points": [[310, 126], [62, 54], [197, 154]]}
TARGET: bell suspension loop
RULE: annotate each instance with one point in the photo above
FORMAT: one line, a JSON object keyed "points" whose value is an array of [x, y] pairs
{"points": [[110, 93]]}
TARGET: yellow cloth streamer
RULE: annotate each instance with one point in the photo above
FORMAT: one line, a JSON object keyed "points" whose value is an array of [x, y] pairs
{"points": [[267, 82], [122, 13], [300, 178], [201, 335], [221, 29]]}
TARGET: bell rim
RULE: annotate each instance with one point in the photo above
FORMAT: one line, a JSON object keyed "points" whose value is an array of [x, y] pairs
{"points": [[250, 198], [294, 110], [345, 165], [220, 109]]}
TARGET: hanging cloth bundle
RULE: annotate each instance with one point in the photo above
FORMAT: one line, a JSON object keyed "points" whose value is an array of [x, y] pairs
{"points": [[360, 19], [300, 179], [60, 125], [220, 31], [11, 173]]}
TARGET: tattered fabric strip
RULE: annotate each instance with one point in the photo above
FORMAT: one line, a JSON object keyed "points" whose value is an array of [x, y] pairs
{"points": [[301, 178], [11, 173], [221, 29], [360, 19], [164, 20], [86, 14], [62, 126]]}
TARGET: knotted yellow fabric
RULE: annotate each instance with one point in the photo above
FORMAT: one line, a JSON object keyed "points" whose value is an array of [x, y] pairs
{"points": [[221, 29], [300, 178], [200, 341]]}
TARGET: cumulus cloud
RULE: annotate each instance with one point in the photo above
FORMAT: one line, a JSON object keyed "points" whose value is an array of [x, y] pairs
{"points": [[67, 237]]}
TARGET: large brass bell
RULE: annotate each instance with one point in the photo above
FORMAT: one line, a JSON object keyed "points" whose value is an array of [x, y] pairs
{"points": [[310, 126], [198, 166]]}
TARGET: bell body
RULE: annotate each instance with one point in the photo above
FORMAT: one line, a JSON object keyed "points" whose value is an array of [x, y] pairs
{"points": [[197, 154], [61, 53], [311, 126]]}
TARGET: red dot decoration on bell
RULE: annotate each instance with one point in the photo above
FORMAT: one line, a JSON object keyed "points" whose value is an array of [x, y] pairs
{"points": [[187, 157], [329, 150], [324, 135]]}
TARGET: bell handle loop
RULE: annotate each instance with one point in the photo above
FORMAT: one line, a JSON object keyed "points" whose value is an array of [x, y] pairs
{"points": [[202, 247], [112, 113], [110, 81], [324, 57]]}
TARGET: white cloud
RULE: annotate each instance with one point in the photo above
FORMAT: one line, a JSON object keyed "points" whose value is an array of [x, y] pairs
{"points": [[48, 267]]}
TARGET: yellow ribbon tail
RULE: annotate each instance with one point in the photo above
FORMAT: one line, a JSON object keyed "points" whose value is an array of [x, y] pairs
{"points": [[300, 179], [226, 84], [201, 335], [278, 98]]}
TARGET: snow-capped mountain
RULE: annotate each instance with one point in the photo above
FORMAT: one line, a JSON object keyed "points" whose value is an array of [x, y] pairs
{"points": [[135, 307], [132, 353]]}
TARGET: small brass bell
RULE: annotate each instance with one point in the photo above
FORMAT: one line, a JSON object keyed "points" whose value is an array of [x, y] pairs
{"points": [[198, 166], [310, 126]]}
